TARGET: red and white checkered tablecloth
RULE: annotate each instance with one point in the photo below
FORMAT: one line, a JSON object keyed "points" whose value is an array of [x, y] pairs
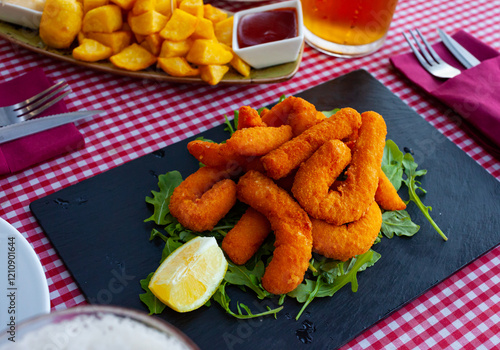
{"points": [[462, 312]]}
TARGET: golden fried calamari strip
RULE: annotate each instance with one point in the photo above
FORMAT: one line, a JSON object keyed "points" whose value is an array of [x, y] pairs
{"points": [[249, 118], [386, 195], [259, 140], [346, 241], [315, 176], [293, 111], [245, 238], [203, 198], [290, 155], [291, 226], [213, 154], [352, 198]]}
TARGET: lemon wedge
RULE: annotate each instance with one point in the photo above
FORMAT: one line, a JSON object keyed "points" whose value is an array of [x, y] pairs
{"points": [[190, 275]]}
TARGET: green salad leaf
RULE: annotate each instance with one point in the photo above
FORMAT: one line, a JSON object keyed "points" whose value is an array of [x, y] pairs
{"points": [[223, 299], [160, 201], [413, 186], [392, 163], [396, 163], [398, 223], [331, 276], [154, 304], [328, 114]]}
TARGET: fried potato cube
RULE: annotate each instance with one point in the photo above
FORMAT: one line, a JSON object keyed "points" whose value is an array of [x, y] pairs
{"points": [[204, 29], [92, 4], [133, 58], [147, 23], [208, 52], [213, 74], [224, 31], [104, 19], [152, 43], [124, 4], [61, 22], [237, 63], [139, 38], [241, 66], [194, 7], [117, 41], [177, 67], [175, 48], [91, 51], [180, 26], [126, 27], [142, 6], [163, 7], [80, 37], [213, 14]]}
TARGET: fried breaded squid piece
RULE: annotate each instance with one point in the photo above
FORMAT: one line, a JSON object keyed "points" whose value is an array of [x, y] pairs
{"points": [[203, 198], [293, 111], [317, 174], [245, 238], [386, 195], [291, 226], [249, 118], [354, 195], [259, 140], [242, 148], [280, 162], [213, 154], [346, 241]]}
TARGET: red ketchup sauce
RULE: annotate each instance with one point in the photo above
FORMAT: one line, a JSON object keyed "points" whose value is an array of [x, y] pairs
{"points": [[265, 27]]}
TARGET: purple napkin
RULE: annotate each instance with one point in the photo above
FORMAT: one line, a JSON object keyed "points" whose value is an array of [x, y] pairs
{"points": [[474, 94], [24, 152]]}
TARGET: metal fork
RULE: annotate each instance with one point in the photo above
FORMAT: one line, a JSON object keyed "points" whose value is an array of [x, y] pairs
{"points": [[33, 106], [429, 59]]}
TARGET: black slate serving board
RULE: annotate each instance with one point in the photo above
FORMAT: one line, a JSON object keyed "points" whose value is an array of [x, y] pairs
{"points": [[97, 228]]}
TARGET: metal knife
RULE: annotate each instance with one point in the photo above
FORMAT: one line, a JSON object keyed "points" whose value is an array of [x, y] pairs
{"points": [[15, 131], [461, 54]]}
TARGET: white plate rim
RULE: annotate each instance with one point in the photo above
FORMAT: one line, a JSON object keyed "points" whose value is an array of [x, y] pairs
{"points": [[37, 282]]}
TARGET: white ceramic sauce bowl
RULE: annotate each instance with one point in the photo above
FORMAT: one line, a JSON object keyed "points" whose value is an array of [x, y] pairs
{"points": [[275, 52]]}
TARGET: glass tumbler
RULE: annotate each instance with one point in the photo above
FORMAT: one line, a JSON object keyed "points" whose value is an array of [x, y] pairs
{"points": [[347, 28]]}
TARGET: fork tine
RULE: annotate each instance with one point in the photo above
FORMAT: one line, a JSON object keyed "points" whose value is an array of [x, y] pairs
{"points": [[420, 58], [422, 49], [42, 108], [37, 103], [37, 96], [435, 56]]}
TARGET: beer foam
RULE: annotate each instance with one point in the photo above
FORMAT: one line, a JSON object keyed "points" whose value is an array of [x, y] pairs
{"points": [[96, 332]]}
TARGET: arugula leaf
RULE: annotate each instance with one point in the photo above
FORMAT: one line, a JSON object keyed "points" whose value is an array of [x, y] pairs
{"points": [[154, 305], [392, 163], [398, 223], [160, 201], [328, 114], [223, 299], [413, 185], [241, 276], [332, 277], [229, 127]]}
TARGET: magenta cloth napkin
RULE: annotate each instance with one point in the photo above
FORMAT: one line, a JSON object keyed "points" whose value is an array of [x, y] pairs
{"points": [[22, 153], [474, 94]]}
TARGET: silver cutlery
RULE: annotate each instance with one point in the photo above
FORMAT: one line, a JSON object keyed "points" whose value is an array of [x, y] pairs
{"points": [[429, 59], [33, 106], [461, 54], [18, 130]]}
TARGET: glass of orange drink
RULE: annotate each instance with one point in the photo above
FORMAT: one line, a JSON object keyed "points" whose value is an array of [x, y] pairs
{"points": [[347, 28]]}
